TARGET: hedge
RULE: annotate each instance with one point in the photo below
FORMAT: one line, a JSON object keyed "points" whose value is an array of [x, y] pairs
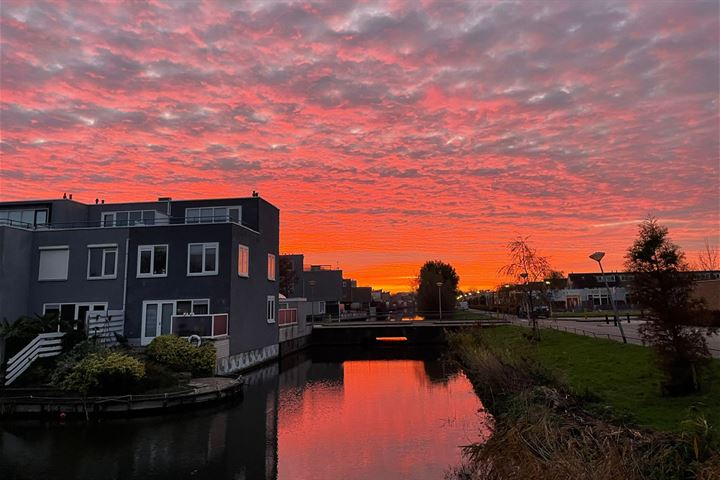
{"points": [[177, 354]]}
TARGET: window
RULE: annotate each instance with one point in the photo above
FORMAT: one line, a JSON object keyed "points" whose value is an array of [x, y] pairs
{"points": [[202, 259], [271, 309], [128, 218], [53, 264], [213, 215], [271, 266], [73, 311], [24, 218], [243, 261], [192, 307], [102, 262], [152, 261]]}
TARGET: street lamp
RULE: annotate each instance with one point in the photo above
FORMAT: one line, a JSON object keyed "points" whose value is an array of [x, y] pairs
{"points": [[598, 256], [439, 285], [312, 296]]}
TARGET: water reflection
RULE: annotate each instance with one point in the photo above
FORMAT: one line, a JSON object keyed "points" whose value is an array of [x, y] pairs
{"points": [[349, 415]]}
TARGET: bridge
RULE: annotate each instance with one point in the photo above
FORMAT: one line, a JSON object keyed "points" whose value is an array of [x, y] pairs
{"points": [[392, 332]]}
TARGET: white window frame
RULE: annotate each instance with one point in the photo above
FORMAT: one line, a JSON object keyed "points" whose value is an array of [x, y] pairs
{"points": [[197, 219], [104, 248], [114, 213], [271, 271], [204, 272], [146, 340], [270, 313], [151, 249], [67, 267], [77, 307], [243, 261]]}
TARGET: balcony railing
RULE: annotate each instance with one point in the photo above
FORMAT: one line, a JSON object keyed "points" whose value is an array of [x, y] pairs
{"points": [[158, 221], [211, 325]]}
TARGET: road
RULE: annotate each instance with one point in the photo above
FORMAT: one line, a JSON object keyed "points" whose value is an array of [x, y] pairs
{"points": [[598, 328]]}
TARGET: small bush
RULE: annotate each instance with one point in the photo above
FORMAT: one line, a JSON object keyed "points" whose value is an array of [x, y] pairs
{"points": [[67, 361], [177, 354], [104, 372]]}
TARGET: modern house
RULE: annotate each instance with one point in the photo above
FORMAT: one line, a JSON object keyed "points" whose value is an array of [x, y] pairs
{"points": [[204, 267]]}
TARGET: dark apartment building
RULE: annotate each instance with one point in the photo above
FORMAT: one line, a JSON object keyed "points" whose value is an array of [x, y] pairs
{"points": [[319, 284], [205, 267]]}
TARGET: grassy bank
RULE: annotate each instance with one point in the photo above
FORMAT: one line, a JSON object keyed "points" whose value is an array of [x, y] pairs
{"points": [[622, 376], [572, 407]]}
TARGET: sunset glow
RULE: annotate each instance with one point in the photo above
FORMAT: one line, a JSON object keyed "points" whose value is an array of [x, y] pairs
{"points": [[387, 133]]}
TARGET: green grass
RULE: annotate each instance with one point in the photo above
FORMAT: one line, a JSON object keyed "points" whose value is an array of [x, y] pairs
{"points": [[622, 376]]}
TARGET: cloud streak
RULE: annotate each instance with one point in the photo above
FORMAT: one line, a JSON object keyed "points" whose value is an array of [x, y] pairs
{"points": [[441, 129]]}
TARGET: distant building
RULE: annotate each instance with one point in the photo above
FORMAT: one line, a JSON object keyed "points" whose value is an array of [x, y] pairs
{"points": [[318, 284], [206, 267], [354, 297]]}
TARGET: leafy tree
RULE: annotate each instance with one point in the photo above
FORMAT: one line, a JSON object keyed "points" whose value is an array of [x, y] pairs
{"points": [[663, 284], [288, 277], [431, 273], [528, 267]]}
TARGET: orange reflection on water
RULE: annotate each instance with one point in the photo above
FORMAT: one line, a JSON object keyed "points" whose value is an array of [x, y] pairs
{"points": [[388, 419]]}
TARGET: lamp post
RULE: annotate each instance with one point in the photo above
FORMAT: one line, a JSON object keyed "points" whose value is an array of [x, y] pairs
{"points": [[312, 296], [439, 285], [598, 256]]}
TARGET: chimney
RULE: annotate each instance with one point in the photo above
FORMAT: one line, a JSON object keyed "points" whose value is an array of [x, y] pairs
{"points": [[97, 201], [102, 201], [70, 196]]}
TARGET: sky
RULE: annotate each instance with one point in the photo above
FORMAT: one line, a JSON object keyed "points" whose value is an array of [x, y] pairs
{"points": [[387, 133]]}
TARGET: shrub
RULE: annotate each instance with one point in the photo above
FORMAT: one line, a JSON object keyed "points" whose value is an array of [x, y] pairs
{"points": [[177, 354], [69, 360], [104, 372]]}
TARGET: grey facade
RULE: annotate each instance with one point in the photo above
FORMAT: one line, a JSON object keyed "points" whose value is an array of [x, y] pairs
{"points": [[151, 261], [317, 283]]}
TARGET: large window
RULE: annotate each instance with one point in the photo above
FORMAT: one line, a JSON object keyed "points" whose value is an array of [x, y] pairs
{"points": [[53, 263], [102, 262], [152, 261], [243, 261], [271, 266], [192, 307], [73, 311], [213, 215], [27, 218], [271, 309], [128, 218], [202, 259]]}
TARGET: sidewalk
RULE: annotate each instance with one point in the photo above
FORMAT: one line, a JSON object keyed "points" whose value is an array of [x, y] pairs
{"points": [[599, 329]]}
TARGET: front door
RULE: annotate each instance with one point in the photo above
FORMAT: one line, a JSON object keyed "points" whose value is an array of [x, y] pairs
{"points": [[156, 320]]}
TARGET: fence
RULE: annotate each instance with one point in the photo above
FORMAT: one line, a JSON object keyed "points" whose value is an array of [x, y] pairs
{"points": [[44, 345], [105, 325]]}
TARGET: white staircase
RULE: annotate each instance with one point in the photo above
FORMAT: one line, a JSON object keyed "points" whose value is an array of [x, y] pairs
{"points": [[44, 345]]}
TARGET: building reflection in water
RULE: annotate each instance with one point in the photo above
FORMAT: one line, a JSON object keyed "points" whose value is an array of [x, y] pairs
{"points": [[309, 418]]}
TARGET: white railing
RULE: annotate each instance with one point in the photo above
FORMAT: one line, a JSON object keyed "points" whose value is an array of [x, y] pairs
{"points": [[104, 325], [44, 345]]}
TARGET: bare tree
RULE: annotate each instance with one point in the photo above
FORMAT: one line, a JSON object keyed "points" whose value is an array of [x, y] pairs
{"points": [[709, 259], [528, 267]]}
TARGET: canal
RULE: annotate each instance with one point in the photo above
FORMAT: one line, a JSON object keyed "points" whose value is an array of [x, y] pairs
{"points": [[381, 414]]}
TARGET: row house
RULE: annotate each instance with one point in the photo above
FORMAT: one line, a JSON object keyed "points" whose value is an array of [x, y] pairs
{"points": [[191, 267]]}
